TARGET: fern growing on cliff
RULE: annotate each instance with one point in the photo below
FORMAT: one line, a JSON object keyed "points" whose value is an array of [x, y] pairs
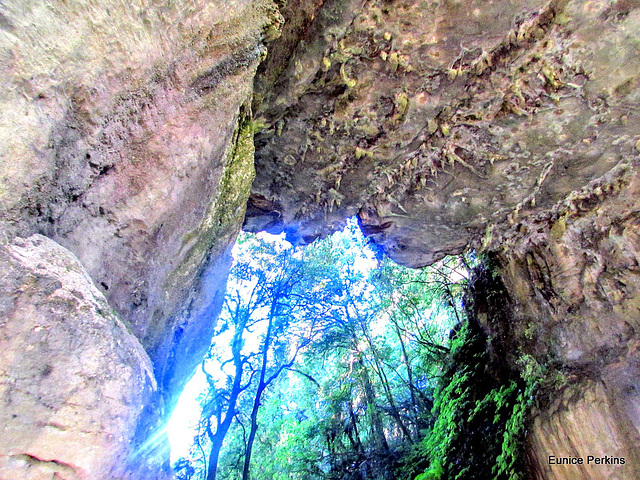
{"points": [[481, 409]]}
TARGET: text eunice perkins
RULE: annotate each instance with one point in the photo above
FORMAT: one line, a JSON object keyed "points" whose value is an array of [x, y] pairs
{"points": [[590, 460]]}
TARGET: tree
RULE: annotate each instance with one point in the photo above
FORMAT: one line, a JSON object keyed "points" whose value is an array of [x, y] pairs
{"points": [[272, 293], [329, 362], [183, 469], [281, 340], [221, 404]]}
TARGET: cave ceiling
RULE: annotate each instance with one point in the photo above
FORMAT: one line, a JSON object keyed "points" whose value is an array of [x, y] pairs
{"points": [[439, 123]]}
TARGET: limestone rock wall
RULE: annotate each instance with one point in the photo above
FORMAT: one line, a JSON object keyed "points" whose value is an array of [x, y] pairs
{"points": [[575, 426], [126, 137], [433, 121], [118, 124], [72, 376], [574, 273]]}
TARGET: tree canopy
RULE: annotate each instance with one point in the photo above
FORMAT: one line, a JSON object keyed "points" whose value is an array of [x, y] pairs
{"points": [[326, 365]]}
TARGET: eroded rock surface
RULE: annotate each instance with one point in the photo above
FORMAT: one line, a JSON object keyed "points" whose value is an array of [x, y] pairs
{"points": [[124, 138], [575, 426], [574, 273], [434, 120], [72, 377]]}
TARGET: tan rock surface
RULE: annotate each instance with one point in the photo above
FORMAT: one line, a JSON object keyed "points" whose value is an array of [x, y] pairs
{"points": [[574, 273], [435, 120], [72, 377], [125, 136], [119, 134], [576, 428]]}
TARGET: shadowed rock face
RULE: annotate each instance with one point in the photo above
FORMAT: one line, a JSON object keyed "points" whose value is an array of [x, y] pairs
{"points": [[126, 137], [433, 120], [593, 414], [574, 272]]}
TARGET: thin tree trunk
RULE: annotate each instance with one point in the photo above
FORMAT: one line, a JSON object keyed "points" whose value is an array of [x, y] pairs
{"points": [[212, 469], [262, 384], [376, 420], [412, 389], [223, 425], [222, 429], [354, 422], [252, 436], [384, 381]]}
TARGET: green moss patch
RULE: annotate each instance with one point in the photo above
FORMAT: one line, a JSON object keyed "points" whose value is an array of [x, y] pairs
{"points": [[226, 212], [481, 406]]}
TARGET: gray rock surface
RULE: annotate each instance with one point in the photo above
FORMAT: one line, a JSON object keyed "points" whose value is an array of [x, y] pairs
{"points": [[436, 121], [574, 273], [125, 136], [122, 138]]}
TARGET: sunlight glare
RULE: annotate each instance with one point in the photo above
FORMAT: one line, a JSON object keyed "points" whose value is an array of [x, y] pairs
{"points": [[183, 424]]}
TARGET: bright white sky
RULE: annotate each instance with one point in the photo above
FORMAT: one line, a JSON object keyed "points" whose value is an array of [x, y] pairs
{"points": [[183, 424]]}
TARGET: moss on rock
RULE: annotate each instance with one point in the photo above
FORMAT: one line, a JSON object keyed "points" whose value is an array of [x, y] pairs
{"points": [[482, 407], [226, 210]]}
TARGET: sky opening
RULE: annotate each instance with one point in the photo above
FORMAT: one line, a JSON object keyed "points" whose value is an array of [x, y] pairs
{"points": [[370, 340]]}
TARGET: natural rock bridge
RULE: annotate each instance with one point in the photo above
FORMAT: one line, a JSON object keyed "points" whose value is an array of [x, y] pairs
{"points": [[127, 140]]}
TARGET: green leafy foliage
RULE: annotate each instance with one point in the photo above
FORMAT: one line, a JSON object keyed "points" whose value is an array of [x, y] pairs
{"points": [[481, 409], [348, 367]]}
